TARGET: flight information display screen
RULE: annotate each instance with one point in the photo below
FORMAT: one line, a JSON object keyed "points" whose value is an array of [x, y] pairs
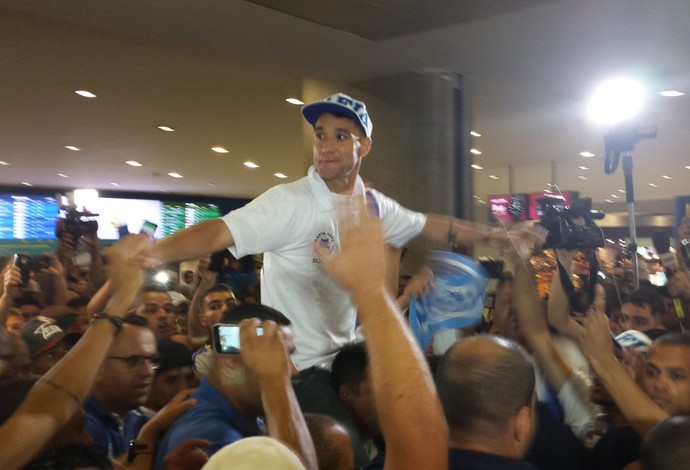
{"points": [[27, 217]]}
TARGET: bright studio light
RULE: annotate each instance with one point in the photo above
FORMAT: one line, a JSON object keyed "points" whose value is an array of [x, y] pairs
{"points": [[162, 277], [616, 100]]}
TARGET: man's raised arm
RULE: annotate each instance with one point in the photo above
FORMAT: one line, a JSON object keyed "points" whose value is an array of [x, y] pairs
{"points": [[192, 242]]}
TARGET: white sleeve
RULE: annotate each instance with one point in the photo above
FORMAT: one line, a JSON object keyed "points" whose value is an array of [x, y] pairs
{"points": [[579, 411], [400, 225]]}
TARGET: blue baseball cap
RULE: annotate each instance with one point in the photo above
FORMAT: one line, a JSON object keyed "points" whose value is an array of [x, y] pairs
{"points": [[339, 103]]}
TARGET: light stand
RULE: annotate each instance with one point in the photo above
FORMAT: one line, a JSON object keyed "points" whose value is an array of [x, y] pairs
{"points": [[621, 139]]}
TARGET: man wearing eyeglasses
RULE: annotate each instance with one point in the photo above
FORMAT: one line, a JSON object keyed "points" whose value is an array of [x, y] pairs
{"points": [[122, 384], [157, 307]]}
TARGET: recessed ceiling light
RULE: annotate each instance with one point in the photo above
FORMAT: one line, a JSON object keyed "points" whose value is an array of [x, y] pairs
{"points": [[475, 196], [72, 147], [251, 165], [608, 200], [477, 167], [175, 175], [26, 184], [476, 151], [166, 128], [582, 177], [133, 163], [481, 202], [219, 150], [582, 167], [85, 94], [671, 93], [208, 183], [615, 196], [666, 177], [687, 167], [493, 177], [475, 134], [654, 185], [587, 154], [621, 191], [62, 175], [4, 163], [279, 175], [115, 184], [294, 101]]}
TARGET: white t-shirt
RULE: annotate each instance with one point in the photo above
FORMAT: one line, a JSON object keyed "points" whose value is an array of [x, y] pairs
{"points": [[283, 223]]}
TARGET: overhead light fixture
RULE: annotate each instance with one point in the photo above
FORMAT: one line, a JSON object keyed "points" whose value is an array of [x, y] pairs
{"points": [[654, 185], [608, 200], [166, 128], [477, 167], [475, 196], [671, 93], [26, 184], [4, 163], [133, 163], [85, 94], [208, 183], [666, 177], [582, 177], [493, 177], [480, 201], [475, 134], [476, 151], [582, 167], [115, 184], [616, 100], [687, 167], [72, 147], [294, 101], [587, 154], [279, 175], [219, 150], [62, 175], [251, 165], [621, 191], [615, 196], [174, 175]]}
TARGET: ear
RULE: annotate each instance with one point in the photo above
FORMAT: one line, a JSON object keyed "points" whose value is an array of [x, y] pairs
{"points": [[523, 426], [345, 394], [364, 147]]}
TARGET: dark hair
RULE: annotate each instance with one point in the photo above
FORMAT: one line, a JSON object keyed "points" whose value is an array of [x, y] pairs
{"points": [[154, 288], [260, 311], [349, 366], [214, 289], [27, 299], [78, 302], [672, 339], [71, 457], [358, 124], [642, 297], [665, 447], [482, 386]]}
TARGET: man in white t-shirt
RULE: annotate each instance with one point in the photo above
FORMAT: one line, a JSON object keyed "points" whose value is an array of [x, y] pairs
{"points": [[286, 221]]}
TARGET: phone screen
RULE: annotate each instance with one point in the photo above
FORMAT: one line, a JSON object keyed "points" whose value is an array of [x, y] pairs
{"points": [[149, 228], [226, 338]]}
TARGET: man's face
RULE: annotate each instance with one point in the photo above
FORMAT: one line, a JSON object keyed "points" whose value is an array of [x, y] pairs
{"points": [[638, 318], [188, 277], [338, 147], [505, 322], [215, 305], [158, 309], [667, 378], [124, 380], [360, 402], [167, 384]]}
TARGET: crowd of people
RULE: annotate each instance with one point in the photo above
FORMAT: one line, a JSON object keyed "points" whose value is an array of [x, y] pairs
{"points": [[99, 368]]}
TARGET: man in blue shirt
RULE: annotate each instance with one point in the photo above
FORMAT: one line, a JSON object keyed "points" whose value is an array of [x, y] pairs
{"points": [[240, 390]]}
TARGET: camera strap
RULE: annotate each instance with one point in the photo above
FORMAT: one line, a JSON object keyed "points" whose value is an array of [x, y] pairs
{"points": [[575, 300]]}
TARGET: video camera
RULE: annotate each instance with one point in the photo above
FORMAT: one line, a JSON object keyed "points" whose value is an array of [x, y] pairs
{"points": [[72, 221], [563, 230]]}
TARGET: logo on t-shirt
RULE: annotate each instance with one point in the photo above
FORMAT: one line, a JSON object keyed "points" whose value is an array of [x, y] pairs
{"points": [[326, 240]]}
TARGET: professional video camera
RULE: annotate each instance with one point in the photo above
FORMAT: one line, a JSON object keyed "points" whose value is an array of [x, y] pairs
{"points": [[72, 221], [565, 230]]}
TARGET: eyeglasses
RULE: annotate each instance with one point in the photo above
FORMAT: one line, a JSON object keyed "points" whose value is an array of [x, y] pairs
{"points": [[152, 309], [135, 361]]}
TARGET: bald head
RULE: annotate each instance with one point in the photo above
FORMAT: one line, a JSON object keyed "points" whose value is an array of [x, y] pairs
{"points": [[483, 382]]}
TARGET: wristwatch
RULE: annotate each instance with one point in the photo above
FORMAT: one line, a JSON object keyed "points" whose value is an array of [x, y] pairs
{"points": [[138, 448]]}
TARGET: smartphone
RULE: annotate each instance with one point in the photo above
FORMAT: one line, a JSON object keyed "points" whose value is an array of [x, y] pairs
{"points": [[226, 338], [24, 263], [149, 228]]}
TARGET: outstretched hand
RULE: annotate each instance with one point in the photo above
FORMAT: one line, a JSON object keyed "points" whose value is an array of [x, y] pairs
{"points": [[359, 263], [595, 338]]}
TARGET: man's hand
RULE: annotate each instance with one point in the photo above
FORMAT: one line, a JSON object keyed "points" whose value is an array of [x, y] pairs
{"points": [[595, 338], [359, 264], [266, 355], [55, 268], [679, 284], [416, 287], [188, 455], [11, 280], [126, 275]]}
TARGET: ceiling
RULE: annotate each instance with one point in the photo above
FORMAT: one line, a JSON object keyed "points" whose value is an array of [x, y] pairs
{"points": [[219, 71]]}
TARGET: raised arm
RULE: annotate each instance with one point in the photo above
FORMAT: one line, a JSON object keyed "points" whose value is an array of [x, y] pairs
{"points": [[596, 345], [408, 407], [448, 230], [558, 306], [193, 242], [11, 278], [59, 393]]}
